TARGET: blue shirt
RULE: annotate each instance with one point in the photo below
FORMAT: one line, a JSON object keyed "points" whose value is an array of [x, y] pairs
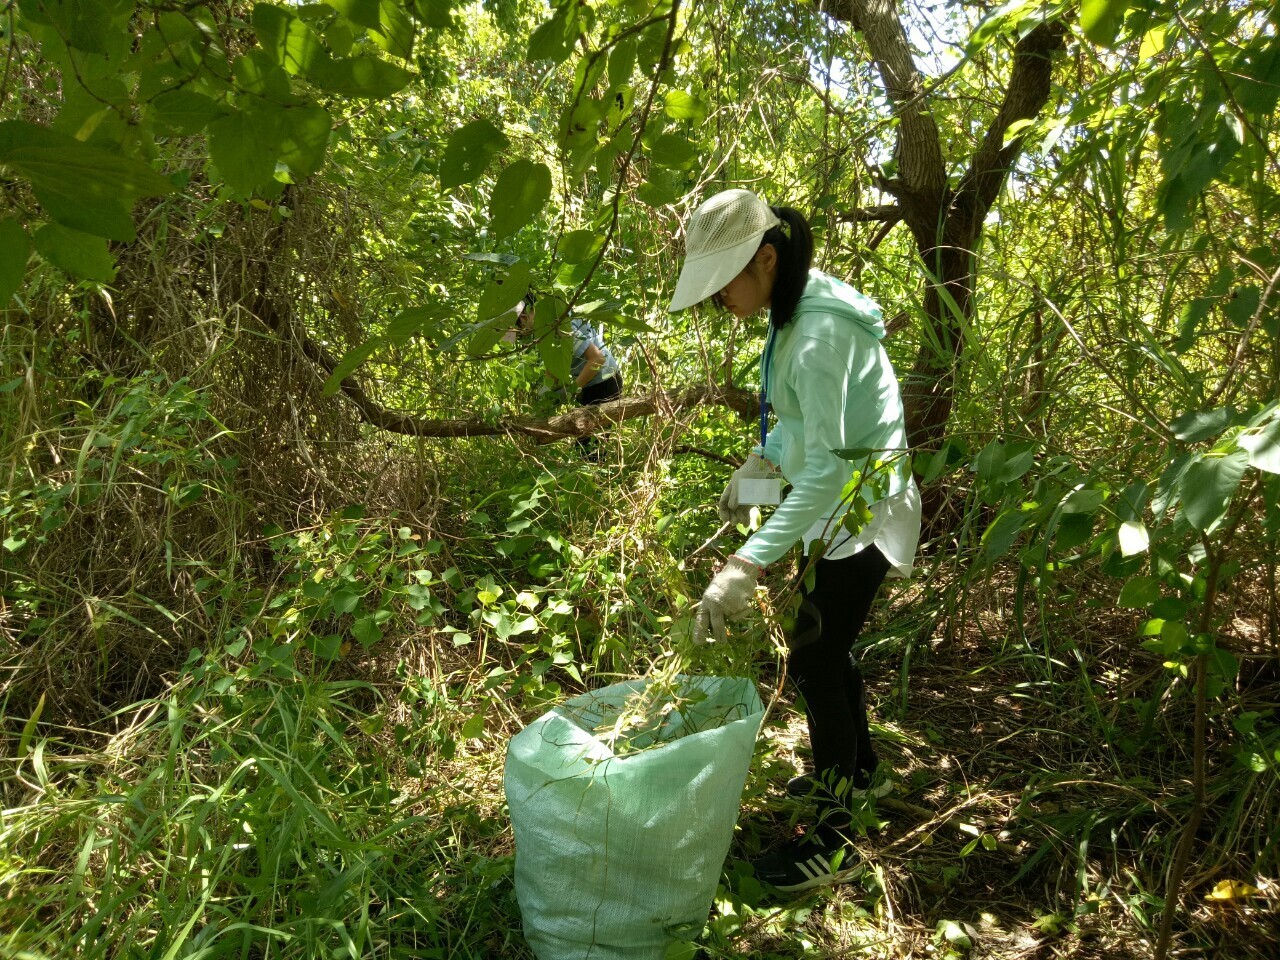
{"points": [[584, 335]]}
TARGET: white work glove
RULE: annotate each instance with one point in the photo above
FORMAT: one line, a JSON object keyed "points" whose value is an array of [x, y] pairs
{"points": [[727, 597], [756, 468]]}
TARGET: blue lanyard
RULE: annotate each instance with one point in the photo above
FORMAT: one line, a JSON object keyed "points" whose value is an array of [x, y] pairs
{"points": [[764, 385]]}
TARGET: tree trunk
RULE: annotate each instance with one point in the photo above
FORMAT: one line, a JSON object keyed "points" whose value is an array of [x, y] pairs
{"points": [[945, 220]]}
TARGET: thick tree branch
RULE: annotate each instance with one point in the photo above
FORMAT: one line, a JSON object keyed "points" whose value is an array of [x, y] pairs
{"points": [[945, 221], [1024, 98], [884, 213], [919, 150], [577, 422], [581, 421]]}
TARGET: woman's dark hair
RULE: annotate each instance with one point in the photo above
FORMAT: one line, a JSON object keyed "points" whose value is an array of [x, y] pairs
{"points": [[794, 242]]}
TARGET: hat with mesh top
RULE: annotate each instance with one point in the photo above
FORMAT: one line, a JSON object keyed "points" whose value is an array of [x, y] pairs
{"points": [[724, 234]]}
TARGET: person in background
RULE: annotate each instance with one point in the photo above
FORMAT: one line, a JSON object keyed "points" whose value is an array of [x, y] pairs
{"points": [[831, 386], [595, 374]]}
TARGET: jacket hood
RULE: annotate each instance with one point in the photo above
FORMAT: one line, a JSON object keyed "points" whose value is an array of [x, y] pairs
{"points": [[827, 294]]}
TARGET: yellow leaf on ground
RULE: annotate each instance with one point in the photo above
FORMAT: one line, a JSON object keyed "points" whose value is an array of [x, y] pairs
{"points": [[1232, 890]]}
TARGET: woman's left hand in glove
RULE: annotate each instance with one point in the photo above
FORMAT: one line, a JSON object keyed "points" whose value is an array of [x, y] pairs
{"points": [[727, 597]]}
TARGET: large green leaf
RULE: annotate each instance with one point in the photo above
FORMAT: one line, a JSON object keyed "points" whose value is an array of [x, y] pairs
{"points": [[185, 112], [522, 190], [1166, 491], [579, 246], [468, 152], [1132, 500], [933, 465], [83, 256], [679, 105], [1256, 73], [306, 137], [989, 462], [80, 186], [1003, 533], [635, 324], [15, 248], [1201, 424], [363, 13], [88, 211], [1263, 447], [1018, 459], [1207, 486], [287, 40], [93, 111], [1101, 20], [176, 29], [83, 24], [1072, 530], [1139, 592], [486, 336], [1084, 500], [436, 14], [660, 190], [258, 74], [411, 321], [622, 62], [500, 296], [1243, 304], [245, 146], [556, 351], [1191, 318], [367, 77], [652, 42], [553, 40], [673, 150], [1190, 168], [395, 32]]}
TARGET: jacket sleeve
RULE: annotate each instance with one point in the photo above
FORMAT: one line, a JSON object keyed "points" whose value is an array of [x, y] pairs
{"points": [[821, 381]]}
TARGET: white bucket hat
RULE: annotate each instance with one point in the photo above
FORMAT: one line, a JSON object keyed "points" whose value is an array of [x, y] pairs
{"points": [[724, 234]]}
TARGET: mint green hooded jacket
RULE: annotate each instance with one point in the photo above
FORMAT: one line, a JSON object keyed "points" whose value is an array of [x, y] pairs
{"points": [[832, 388]]}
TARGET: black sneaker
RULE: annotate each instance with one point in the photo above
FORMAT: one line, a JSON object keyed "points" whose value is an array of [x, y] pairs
{"points": [[805, 863], [807, 786]]}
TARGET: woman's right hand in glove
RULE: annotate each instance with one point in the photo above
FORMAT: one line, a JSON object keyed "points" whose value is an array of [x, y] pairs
{"points": [[756, 468]]}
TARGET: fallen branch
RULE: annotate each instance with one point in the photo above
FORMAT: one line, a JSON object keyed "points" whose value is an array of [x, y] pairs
{"points": [[578, 422]]}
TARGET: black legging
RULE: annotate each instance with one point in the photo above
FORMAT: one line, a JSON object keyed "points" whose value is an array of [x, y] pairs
{"points": [[824, 669], [590, 396], [601, 392]]}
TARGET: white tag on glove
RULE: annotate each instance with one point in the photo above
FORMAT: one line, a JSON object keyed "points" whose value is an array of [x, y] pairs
{"points": [[761, 492]]}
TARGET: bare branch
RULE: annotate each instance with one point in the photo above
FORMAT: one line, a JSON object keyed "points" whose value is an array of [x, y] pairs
{"points": [[1024, 98], [885, 213]]}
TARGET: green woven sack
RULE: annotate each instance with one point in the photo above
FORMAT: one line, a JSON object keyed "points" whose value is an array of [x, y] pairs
{"points": [[623, 802]]}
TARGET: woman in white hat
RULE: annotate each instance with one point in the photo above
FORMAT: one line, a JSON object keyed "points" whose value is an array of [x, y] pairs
{"points": [[832, 388]]}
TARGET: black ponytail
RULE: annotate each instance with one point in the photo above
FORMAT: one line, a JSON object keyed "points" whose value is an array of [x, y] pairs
{"points": [[794, 242]]}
